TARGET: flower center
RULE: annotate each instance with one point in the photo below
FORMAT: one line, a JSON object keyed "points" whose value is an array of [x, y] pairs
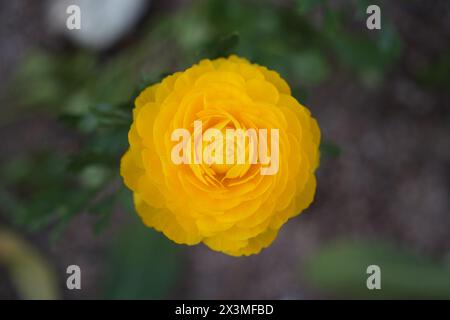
{"points": [[224, 149]]}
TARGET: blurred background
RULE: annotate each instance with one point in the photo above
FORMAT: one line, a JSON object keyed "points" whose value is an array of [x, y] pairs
{"points": [[381, 98]]}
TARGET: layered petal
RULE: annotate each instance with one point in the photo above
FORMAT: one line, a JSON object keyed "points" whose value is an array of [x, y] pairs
{"points": [[264, 143]]}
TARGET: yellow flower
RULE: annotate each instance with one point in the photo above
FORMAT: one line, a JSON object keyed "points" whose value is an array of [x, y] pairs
{"points": [[230, 207]]}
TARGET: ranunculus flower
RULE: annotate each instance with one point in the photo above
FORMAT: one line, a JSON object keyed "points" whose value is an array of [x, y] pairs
{"points": [[230, 207]]}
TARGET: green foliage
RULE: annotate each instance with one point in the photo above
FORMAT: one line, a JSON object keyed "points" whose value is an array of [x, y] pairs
{"points": [[142, 265], [341, 270], [220, 47], [369, 54], [310, 66], [305, 6], [330, 149], [302, 49], [436, 74]]}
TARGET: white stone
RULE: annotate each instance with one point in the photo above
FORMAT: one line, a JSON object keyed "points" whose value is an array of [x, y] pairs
{"points": [[103, 22]]}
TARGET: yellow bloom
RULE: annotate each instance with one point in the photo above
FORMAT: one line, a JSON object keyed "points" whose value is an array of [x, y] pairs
{"points": [[231, 208]]}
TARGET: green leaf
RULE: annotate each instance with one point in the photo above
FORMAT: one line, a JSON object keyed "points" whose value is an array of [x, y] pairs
{"points": [[330, 149], [103, 210], [221, 47], [368, 54], [310, 67], [305, 6], [94, 175], [437, 73], [143, 265], [341, 270]]}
